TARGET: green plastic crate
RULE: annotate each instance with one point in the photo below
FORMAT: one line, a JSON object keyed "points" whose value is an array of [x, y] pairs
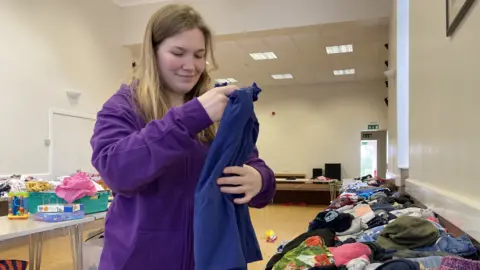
{"points": [[93, 204]]}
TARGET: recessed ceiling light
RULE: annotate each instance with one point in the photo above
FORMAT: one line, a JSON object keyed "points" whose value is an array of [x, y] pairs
{"points": [[227, 80], [263, 56], [340, 72], [339, 49], [282, 76]]}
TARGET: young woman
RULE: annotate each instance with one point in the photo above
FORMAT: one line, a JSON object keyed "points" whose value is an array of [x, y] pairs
{"points": [[150, 143]]}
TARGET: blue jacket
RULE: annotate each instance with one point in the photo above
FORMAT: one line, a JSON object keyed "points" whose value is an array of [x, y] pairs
{"points": [[154, 168], [224, 238]]}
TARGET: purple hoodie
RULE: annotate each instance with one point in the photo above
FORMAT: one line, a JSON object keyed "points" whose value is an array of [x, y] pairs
{"points": [[153, 169]]}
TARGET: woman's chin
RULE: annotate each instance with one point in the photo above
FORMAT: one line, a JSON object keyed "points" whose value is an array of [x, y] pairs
{"points": [[184, 88]]}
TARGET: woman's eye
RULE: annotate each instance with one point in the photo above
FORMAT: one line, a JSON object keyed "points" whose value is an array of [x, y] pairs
{"points": [[177, 54], [199, 56]]}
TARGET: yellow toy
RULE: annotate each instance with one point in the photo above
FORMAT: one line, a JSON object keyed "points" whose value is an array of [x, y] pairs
{"points": [[270, 235], [18, 205]]}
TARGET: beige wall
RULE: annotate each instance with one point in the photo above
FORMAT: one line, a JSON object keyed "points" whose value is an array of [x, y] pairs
{"points": [[318, 124], [46, 48], [444, 101]]}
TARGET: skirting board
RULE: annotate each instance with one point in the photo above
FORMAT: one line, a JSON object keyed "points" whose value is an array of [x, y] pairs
{"points": [[461, 212]]}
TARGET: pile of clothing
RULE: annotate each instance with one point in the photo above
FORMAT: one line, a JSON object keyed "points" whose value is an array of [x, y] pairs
{"points": [[70, 187], [370, 227], [22, 183], [323, 179], [369, 180]]}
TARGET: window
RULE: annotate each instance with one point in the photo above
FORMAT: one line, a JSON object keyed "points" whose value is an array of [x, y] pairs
{"points": [[403, 144]]}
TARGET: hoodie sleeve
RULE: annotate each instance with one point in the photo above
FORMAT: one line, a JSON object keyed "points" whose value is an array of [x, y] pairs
{"points": [[265, 196], [128, 157]]}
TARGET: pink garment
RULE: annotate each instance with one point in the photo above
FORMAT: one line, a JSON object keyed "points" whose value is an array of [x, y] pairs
{"points": [[75, 187], [347, 252], [433, 219]]}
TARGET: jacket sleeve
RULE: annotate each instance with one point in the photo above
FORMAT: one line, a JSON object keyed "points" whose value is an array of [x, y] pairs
{"points": [[128, 158], [265, 196]]}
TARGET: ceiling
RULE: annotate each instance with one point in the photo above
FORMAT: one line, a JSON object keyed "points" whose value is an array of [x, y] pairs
{"points": [[301, 52], [129, 3], [132, 3], [227, 17]]}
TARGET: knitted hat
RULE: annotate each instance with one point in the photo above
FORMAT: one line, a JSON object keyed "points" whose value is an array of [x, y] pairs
{"points": [[408, 232], [318, 223], [338, 222]]}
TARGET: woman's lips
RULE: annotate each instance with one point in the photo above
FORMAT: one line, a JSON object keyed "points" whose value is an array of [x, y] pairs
{"points": [[186, 76]]}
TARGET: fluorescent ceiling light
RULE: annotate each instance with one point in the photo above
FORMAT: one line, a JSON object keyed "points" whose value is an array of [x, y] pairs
{"points": [[340, 72], [263, 56], [227, 80], [339, 49], [282, 76]]}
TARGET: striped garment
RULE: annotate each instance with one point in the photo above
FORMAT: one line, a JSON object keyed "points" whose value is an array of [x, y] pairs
{"points": [[13, 265]]}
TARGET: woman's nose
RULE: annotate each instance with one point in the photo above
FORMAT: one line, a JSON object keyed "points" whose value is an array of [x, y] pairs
{"points": [[188, 66]]}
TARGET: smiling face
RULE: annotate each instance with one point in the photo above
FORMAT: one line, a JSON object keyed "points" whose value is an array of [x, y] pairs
{"points": [[181, 60]]}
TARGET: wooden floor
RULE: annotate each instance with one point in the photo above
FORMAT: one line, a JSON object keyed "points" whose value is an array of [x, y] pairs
{"points": [[286, 221]]}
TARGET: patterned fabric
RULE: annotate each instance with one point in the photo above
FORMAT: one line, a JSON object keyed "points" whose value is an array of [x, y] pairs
{"points": [[451, 262], [13, 265], [310, 253], [372, 234]]}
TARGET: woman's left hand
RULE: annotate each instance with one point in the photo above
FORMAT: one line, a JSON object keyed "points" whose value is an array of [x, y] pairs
{"points": [[246, 180]]}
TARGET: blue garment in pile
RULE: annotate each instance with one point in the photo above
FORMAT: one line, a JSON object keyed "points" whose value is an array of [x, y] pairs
{"points": [[224, 238]]}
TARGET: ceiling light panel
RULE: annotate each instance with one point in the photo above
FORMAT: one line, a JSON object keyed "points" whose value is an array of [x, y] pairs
{"points": [[263, 56], [341, 72], [282, 76], [339, 49], [227, 80]]}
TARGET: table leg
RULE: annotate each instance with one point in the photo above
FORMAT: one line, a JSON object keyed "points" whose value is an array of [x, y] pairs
{"points": [[76, 246], [71, 234], [39, 250], [31, 252], [35, 251], [79, 244]]}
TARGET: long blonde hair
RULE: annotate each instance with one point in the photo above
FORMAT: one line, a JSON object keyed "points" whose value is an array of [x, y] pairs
{"points": [[149, 92]]}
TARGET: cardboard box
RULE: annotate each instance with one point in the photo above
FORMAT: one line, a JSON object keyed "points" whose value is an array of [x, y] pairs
{"points": [[59, 208]]}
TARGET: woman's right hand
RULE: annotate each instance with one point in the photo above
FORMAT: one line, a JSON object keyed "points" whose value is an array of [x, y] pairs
{"points": [[215, 100]]}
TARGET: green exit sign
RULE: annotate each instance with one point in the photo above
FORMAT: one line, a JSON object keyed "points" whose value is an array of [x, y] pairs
{"points": [[367, 135], [373, 126]]}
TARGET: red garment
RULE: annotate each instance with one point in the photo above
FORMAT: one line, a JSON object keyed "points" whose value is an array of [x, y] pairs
{"points": [[340, 202]]}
